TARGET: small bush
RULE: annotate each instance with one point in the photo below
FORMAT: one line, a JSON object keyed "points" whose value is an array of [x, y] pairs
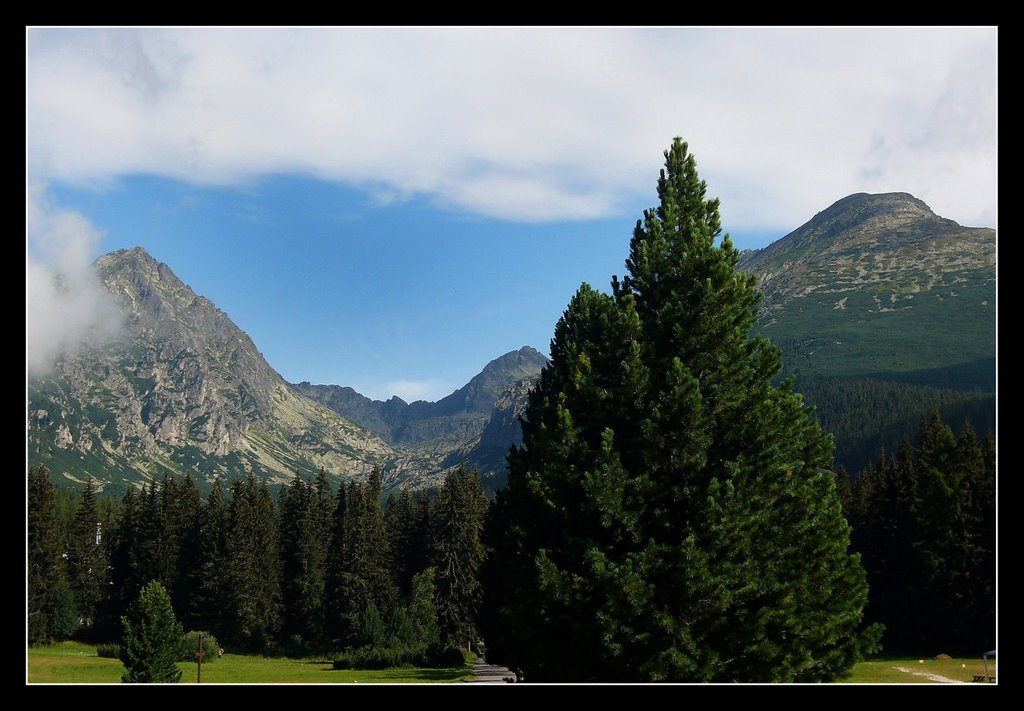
{"points": [[295, 647], [438, 655], [190, 645], [110, 651], [409, 655]]}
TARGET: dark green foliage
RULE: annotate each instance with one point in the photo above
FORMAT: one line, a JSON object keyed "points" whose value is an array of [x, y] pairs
{"points": [[362, 566], [372, 630], [253, 574], [151, 547], [123, 551], [457, 523], [64, 621], [108, 650], [415, 655], [152, 638], [86, 563], [408, 542], [421, 611], [189, 646], [334, 604], [866, 415], [211, 596], [184, 519], [302, 580], [924, 523], [669, 516], [306, 518], [45, 566]]}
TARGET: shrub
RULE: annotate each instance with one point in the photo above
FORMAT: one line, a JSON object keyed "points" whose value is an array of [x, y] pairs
{"points": [[407, 655], [108, 650], [190, 644], [439, 655]]}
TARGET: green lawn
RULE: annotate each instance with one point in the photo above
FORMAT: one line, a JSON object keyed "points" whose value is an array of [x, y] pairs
{"points": [[884, 671], [76, 663]]}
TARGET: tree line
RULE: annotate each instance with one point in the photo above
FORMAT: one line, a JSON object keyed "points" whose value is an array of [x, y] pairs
{"points": [[924, 524], [300, 574], [866, 415]]}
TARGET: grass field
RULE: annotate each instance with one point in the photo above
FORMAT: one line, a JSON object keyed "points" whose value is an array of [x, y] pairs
{"points": [[76, 663], [885, 671]]}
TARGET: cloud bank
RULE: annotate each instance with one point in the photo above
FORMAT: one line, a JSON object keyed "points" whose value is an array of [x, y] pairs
{"points": [[66, 306], [530, 124]]}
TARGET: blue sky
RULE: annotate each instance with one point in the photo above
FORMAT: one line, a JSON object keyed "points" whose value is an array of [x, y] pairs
{"points": [[391, 209]]}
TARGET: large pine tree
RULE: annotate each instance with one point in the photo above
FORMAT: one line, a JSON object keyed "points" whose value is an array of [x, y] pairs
{"points": [[457, 520], [669, 515]]}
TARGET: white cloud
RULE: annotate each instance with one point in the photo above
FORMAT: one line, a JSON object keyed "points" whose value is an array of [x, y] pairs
{"points": [[65, 304], [530, 124]]}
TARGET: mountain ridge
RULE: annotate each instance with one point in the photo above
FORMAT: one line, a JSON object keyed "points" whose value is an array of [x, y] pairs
{"points": [[398, 422], [184, 390], [874, 286]]}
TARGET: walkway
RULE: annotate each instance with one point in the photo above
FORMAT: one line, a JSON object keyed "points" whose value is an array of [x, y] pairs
{"points": [[484, 673]]}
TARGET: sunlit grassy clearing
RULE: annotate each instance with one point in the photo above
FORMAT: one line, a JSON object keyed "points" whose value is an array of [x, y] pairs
{"points": [[76, 663]]}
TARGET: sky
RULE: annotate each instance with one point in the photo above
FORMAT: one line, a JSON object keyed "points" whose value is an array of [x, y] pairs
{"points": [[391, 209]]}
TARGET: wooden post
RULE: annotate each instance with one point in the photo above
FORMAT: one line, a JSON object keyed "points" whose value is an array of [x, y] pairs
{"points": [[199, 656]]}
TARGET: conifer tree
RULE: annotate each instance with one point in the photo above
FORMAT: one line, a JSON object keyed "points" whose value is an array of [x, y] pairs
{"points": [[253, 565], [335, 625], [152, 638], [45, 565], [86, 563], [211, 600], [125, 578], [150, 548], [670, 515], [185, 519], [366, 555], [305, 532], [405, 542], [457, 520]]}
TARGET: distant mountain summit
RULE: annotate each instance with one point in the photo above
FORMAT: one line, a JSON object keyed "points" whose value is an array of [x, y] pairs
{"points": [[878, 283], [457, 418]]}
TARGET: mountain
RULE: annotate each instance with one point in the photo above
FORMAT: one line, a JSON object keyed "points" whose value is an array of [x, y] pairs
{"points": [[880, 285], [487, 452], [883, 311], [185, 390], [461, 415]]}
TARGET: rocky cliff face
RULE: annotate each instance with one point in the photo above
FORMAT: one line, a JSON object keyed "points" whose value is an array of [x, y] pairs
{"points": [[183, 390]]}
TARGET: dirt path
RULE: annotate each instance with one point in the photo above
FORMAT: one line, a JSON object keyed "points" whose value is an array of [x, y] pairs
{"points": [[931, 677]]}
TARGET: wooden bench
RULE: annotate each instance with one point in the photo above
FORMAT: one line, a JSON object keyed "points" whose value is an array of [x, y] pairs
{"points": [[983, 677]]}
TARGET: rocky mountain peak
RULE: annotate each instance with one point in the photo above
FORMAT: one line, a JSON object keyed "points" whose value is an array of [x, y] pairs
{"points": [[186, 390]]}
